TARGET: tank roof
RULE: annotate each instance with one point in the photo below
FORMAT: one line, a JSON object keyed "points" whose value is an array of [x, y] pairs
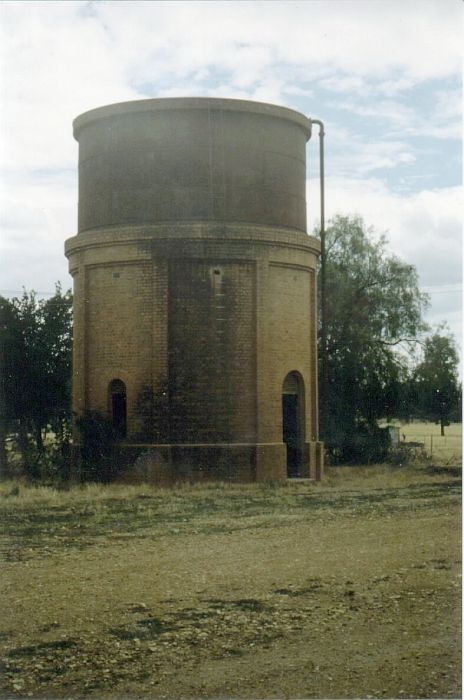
{"points": [[191, 103]]}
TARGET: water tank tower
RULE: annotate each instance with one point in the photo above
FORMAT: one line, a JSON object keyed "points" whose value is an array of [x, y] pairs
{"points": [[195, 288]]}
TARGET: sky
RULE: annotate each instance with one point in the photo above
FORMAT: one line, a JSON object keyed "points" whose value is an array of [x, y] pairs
{"points": [[385, 77]]}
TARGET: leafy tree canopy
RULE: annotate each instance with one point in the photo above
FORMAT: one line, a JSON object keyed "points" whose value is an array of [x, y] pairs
{"points": [[36, 344], [435, 381], [373, 304]]}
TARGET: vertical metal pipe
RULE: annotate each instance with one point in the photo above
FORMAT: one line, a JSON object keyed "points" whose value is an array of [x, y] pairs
{"points": [[323, 384]]}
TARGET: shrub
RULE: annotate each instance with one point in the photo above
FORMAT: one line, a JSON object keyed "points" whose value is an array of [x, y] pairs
{"points": [[405, 454], [365, 444]]}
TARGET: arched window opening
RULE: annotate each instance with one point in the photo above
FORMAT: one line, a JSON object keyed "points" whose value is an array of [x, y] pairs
{"points": [[293, 422], [118, 407]]}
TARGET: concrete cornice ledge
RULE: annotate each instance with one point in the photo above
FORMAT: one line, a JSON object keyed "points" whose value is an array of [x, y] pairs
{"points": [[261, 234]]}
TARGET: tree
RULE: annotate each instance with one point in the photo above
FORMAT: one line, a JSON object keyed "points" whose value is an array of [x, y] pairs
{"points": [[436, 383], [36, 372], [11, 353], [373, 305]]}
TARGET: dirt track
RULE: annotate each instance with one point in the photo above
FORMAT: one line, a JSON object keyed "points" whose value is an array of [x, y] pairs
{"points": [[357, 597]]}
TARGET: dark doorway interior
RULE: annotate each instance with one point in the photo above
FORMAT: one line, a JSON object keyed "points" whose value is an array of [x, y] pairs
{"points": [[291, 433], [118, 407]]}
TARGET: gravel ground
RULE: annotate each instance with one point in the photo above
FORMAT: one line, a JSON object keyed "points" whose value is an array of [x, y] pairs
{"points": [[307, 592]]}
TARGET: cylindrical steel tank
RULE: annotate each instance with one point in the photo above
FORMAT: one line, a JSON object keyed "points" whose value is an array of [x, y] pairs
{"points": [[195, 288]]}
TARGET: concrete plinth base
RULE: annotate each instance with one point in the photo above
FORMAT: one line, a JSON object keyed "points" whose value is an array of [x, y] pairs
{"points": [[234, 462], [167, 464]]}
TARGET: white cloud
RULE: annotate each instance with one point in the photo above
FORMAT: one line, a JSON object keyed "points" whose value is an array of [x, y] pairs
{"points": [[349, 84], [63, 58], [442, 120], [424, 228], [37, 216], [392, 111], [58, 64], [354, 155]]}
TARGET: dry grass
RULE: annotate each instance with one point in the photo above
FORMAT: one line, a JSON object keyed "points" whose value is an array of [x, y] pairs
{"points": [[446, 449], [16, 494]]}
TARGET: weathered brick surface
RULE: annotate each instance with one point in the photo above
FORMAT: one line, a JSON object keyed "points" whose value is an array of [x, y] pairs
{"points": [[212, 377], [201, 319], [119, 332]]}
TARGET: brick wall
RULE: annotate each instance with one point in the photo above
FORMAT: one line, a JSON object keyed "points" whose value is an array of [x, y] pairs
{"points": [[212, 351], [209, 327], [119, 333]]}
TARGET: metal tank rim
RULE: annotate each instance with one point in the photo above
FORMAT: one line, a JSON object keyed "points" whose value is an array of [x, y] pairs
{"points": [[191, 103]]}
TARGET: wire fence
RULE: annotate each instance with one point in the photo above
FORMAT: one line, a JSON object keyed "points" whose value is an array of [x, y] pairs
{"points": [[434, 445]]}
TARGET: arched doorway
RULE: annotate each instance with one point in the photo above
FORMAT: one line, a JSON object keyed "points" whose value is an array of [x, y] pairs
{"points": [[118, 407], [293, 421]]}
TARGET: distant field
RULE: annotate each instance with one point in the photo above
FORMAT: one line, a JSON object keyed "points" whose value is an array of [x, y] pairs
{"points": [[345, 589], [447, 448]]}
